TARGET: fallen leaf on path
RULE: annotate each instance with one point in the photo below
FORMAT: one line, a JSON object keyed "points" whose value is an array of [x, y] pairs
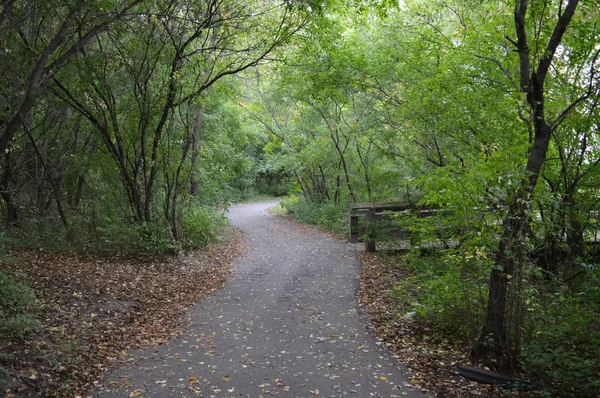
{"points": [[101, 306]]}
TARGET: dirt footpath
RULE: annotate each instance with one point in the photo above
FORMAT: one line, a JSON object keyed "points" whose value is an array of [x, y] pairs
{"points": [[289, 323]]}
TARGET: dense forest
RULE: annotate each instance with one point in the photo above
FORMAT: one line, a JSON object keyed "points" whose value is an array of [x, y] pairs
{"points": [[129, 125]]}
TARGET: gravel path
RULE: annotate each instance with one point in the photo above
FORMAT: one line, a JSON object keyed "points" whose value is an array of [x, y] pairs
{"points": [[288, 324]]}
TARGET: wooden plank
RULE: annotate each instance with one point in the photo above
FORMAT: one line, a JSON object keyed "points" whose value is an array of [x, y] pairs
{"points": [[379, 205], [392, 212], [358, 213], [381, 220], [361, 205]]}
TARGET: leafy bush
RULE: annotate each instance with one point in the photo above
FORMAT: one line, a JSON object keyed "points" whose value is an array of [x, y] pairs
{"points": [[272, 188], [201, 226], [444, 291], [145, 237], [16, 300], [39, 233], [328, 215], [111, 233], [564, 346], [301, 210]]}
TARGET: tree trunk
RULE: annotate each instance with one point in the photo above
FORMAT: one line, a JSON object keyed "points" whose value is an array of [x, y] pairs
{"points": [[496, 346], [196, 146], [12, 210], [324, 182], [365, 165], [305, 189], [35, 79], [499, 341], [344, 166]]}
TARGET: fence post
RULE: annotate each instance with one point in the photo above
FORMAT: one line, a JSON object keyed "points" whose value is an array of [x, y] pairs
{"points": [[370, 243], [353, 226]]}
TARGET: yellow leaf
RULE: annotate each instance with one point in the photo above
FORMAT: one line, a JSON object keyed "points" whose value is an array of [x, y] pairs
{"points": [[225, 378], [383, 378]]}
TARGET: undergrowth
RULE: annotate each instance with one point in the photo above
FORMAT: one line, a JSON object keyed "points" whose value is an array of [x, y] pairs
{"points": [[327, 215], [16, 303], [561, 347], [112, 234]]}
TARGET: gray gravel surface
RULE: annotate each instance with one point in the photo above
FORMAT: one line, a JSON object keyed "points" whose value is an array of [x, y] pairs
{"points": [[288, 324]]}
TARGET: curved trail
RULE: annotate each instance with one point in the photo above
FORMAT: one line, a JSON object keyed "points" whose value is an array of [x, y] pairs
{"points": [[288, 324]]}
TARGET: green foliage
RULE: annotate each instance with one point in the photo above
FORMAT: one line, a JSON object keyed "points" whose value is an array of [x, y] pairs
{"points": [[563, 348], [136, 140], [327, 215], [46, 234], [445, 290], [200, 226], [116, 235], [106, 154], [16, 301]]}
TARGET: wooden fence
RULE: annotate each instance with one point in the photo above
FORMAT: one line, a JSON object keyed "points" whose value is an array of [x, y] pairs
{"points": [[381, 220]]}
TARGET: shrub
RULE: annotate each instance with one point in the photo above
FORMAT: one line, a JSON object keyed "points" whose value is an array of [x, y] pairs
{"points": [[200, 226], [116, 235], [564, 346], [16, 300], [444, 291], [329, 216]]}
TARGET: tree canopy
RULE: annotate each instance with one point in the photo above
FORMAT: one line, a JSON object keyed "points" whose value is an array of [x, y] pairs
{"points": [[154, 114]]}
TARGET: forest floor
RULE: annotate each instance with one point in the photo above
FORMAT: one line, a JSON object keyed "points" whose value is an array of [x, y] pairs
{"points": [[428, 354], [288, 323], [93, 309]]}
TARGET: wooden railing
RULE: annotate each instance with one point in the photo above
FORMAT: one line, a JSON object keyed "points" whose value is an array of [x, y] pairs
{"points": [[381, 220]]}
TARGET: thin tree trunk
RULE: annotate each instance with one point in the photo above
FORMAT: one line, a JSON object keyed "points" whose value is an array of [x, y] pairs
{"points": [[326, 191], [345, 167], [305, 189], [334, 134], [365, 165], [196, 146], [35, 79], [55, 182], [499, 338], [12, 210]]}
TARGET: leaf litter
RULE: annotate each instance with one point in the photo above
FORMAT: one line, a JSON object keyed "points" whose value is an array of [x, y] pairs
{"points": [[430, 358], [93, 309]]}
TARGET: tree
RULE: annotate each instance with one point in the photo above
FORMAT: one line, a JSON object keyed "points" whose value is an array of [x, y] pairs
{"points": [[501, 334], [179, 51], [50, 43], [35, 48]]}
